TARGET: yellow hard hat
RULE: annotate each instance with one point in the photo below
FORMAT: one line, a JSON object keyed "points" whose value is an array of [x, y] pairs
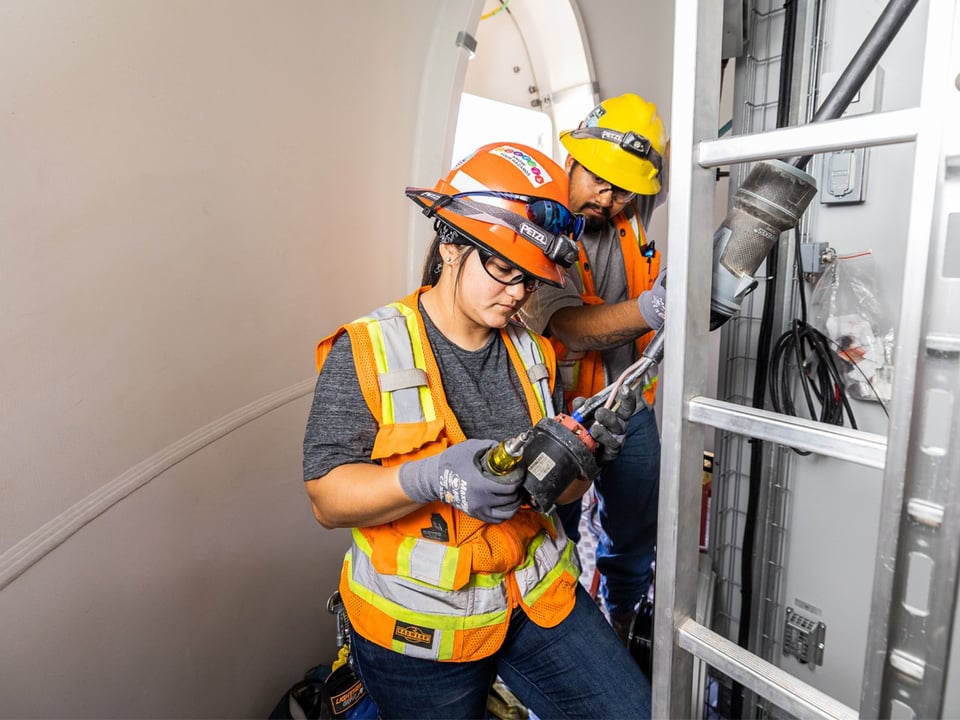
{"points": [[622, 140]]}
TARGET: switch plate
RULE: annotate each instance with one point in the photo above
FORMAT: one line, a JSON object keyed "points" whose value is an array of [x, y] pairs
{"points": [[844, 175]]}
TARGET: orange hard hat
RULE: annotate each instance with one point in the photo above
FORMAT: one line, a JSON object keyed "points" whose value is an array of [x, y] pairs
{"points": [[511, 200]]}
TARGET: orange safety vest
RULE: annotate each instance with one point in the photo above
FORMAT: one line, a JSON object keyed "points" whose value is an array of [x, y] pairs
{"points": [[438, 583], [583, 372]]}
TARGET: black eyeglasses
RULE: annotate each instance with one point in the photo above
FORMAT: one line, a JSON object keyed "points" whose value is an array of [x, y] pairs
{"points": [[505, 273]]}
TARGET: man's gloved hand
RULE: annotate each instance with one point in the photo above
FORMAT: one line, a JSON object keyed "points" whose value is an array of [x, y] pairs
{"points": [[609, 426], [454, 477], [653, 302]]}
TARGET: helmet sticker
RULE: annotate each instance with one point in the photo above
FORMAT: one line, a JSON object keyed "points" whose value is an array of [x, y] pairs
{"points": [[534, 171]]}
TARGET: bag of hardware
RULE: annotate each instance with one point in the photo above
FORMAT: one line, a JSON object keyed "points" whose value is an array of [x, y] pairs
{"points": [[849, 311]]}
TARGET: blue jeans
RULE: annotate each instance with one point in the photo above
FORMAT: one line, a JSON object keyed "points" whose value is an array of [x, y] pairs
{"points": [[628, 491], [578, 669]]}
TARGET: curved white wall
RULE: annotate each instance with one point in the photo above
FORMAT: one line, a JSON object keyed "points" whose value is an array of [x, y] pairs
{"points": [[191, 195]]}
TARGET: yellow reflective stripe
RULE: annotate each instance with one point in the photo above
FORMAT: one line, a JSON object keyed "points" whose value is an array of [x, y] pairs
{"points": [[403, 555], [580, 272], [487, 580], [543, 564], [375, 328], [566, 562], [396, 594], [427, 561], [537, 386], [380, 355], [531, 354], [448, 569], [437, 621], [419, 359], [360, 540], [445, 649]]}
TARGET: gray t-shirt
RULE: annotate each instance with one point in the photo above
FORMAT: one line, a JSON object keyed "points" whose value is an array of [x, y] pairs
{"points": [[610, 279], [481, 386]]}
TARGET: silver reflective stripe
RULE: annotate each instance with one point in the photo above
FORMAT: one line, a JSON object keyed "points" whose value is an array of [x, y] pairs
{"points": [[402, 379], [545, 559], [419, 651], [427, 561], [449, 607], [399, 351], [532, 358]]}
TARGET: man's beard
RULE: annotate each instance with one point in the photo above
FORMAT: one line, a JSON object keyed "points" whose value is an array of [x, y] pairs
{"points": [[594, 223]]}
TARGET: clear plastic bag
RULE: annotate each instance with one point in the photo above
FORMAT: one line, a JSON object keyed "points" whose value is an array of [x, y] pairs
{"points": [[849, 309]]}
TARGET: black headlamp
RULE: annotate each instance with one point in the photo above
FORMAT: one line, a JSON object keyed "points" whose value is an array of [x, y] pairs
{"points": [[559, 247], [630, 141]]}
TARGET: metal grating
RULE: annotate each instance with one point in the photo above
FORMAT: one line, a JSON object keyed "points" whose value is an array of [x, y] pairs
{"points": [[755, 111]]}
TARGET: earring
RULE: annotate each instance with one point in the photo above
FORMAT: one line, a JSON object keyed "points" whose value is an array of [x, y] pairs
{"points": [[438, 268]]}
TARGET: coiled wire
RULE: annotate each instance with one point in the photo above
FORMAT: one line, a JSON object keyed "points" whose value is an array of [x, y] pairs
{"points": [[804, 356]]}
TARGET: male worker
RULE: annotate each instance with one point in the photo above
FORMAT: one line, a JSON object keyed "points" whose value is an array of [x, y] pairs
{"points": [[604, 317]]}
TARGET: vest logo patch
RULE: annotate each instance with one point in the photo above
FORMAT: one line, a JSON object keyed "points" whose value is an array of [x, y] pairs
{"points": [[413, 634], [437, 530]]}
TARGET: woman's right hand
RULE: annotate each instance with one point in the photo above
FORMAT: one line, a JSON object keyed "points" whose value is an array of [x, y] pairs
{"points": [[454, 477]]}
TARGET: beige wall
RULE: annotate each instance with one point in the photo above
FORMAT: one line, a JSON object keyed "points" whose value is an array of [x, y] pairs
{"points": [[191, 195]]}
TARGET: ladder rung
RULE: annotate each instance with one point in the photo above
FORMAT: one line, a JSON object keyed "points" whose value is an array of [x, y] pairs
{"points": [[896, 126], [778, 686], [854, 446]]}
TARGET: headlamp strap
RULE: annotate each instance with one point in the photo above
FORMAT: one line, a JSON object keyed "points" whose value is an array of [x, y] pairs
{"points": [[632, 142], [548, 243], [440, 202], [559, 248]]}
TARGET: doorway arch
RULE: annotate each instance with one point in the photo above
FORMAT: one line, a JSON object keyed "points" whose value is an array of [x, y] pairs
{"points": [[531, 74]]}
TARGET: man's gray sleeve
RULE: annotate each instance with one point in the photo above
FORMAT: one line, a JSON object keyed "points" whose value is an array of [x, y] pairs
{"points": [[541, 306]]}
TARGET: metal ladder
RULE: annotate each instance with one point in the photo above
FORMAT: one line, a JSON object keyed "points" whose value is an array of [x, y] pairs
{"points": [[915, 590]]}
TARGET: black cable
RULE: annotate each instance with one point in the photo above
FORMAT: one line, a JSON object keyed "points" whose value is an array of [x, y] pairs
{"points": [[784, 99], [814, 366], [817, 371], [801, 340]]}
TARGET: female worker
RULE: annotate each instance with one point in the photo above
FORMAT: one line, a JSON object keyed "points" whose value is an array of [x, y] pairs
{"points": [[452, 578]]}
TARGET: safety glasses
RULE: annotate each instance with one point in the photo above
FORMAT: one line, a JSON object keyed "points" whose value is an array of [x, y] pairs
{"points": [[552, 216], [619, 194], [507, 274], [547, 224]]}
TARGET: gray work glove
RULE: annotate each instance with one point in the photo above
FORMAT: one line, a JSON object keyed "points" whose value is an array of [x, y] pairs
{"points": [[653, 302], [454, 477], [610, 426]]}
